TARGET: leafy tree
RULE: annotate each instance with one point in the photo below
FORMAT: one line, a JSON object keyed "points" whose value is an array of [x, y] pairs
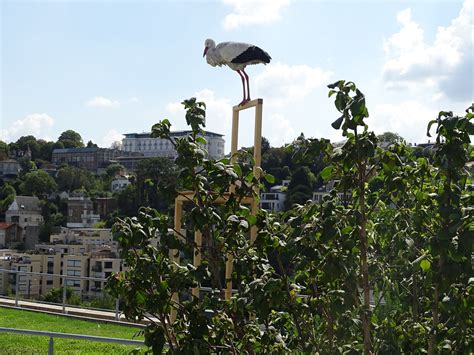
{"points": [[26, 165], [91, 144], [71, 139], [45, 150], [7, 195], [71, 178], [156, 182], [26, 143], [390, 137], [113, 169], [55, 295], [4, 150], [390, 271], [38, 183]]}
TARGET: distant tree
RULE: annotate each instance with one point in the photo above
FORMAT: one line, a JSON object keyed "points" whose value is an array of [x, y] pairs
{"points": [[114, 169], [390, 137], [55, 295], [127, 201], [7, 195], [4, 150], [37, 183], [151, 174], [25, 143], [45, 150], [265, 145], [301, 186], [71, 139], [26, 165], [72, 178], [91, 144], [116, 145]]}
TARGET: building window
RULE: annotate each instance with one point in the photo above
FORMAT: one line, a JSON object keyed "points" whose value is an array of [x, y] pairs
{"points": [[108, 265], [74, 263], [73, 273], [73, 283]]}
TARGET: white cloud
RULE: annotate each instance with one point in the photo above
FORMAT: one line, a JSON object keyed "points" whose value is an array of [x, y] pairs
{"points": [[279, 130], [134, 100], [100, 101], [445, 66], [110, 137], [36, 124], [253, 12], [407, 118], [282, 83]]}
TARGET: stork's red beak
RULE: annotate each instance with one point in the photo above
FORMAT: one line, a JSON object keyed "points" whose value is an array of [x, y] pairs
{"points": [[205, 51]]}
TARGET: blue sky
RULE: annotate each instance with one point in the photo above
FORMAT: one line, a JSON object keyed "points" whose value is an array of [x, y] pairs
{"points": [[104, 68]]}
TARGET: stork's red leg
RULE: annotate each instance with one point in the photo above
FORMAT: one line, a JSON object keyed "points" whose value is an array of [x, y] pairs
{"points": [[243, 87], [248, 86]]}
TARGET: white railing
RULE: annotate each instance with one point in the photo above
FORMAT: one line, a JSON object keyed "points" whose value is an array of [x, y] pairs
{"points": [[64, 295], [53, 335]]}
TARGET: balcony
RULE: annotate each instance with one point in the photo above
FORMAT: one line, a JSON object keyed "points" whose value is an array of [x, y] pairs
{"points": [[97, 268]]}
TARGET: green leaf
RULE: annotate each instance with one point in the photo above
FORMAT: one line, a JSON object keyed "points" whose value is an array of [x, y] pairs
{"points": [[326, 173], [270, 178], [425, 265]]}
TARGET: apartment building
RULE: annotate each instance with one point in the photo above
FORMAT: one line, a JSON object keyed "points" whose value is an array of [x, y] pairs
{"points": [[91, 158], [157, 147], [274, 200], [26, 285], [80, 212]]}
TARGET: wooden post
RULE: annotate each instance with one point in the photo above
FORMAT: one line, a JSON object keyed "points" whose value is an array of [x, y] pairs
{"points": [[174, 253], [257, 156]]}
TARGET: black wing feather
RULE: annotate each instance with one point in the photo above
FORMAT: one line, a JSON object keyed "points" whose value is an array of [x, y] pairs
{"points": [[251, 54]]}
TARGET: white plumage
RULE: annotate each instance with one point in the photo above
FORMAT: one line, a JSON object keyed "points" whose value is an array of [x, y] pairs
{"points": [[236, 56]]}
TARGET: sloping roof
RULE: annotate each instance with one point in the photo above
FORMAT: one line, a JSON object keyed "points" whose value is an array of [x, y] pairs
{"points": [[4, 225], [181, 133], [75, 150], [27, 203]]}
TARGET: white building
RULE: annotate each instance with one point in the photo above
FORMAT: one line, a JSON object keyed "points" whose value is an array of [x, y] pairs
{"points": [[274, 200], [157, 147], [119, 183]]}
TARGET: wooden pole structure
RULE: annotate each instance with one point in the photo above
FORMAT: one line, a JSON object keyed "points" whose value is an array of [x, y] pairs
{"points": [[189, 195], [257, 156], [174, 253]]}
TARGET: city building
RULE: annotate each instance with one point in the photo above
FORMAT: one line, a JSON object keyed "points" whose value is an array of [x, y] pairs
{"points": [[157, 147], [119, 183], [25, 211], [9, 169], [104, 206], [10, 235], [80, 212], [274, 200], [91, 158]]}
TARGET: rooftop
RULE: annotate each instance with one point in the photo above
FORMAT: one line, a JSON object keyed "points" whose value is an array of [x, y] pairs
{"points": [[172, 134]]}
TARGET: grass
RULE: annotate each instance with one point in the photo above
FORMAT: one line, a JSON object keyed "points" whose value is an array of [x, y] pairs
{"points": [[26, 344]]}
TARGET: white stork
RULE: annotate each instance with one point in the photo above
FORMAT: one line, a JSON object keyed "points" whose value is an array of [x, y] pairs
{"points": [[237, 56]]}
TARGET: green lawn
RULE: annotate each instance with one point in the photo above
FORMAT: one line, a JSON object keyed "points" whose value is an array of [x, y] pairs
{"points": [[25, 344]]}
